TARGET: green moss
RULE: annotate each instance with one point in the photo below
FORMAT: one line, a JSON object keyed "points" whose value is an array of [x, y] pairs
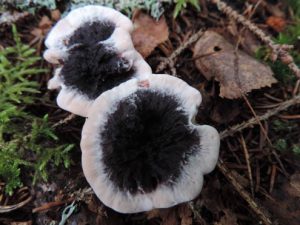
{"points": [[27, 141], [181, 4]]}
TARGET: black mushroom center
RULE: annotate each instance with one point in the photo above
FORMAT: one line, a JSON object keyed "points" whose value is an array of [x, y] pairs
{"points": [[146, 141], [93, 67]]}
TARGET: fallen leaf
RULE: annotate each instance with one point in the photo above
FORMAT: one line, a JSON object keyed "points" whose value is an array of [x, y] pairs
{"points": [[276, 23], [250, 43], [237, 73], [185, 214], [148, 33]]}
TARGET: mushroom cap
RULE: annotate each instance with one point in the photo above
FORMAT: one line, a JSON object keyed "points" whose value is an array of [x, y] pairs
{"points": [[97, 52], [199, 160], [64, 28]]}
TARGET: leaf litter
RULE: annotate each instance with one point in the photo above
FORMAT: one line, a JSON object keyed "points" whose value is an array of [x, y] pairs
{"points": [[216, 58]]}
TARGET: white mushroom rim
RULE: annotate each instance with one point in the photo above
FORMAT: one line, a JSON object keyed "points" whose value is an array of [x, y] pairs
{"points": [[201, 160]]}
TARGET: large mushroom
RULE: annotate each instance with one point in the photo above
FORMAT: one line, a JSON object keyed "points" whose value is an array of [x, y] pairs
{"points": [[141, 149], [94, 52]]}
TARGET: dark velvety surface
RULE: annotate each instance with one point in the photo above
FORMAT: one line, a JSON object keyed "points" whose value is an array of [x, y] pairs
{"points": [[92, 67], [146, 142]]}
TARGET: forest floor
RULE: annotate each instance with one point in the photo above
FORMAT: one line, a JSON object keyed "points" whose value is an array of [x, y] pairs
{"points": [[256, 110]]}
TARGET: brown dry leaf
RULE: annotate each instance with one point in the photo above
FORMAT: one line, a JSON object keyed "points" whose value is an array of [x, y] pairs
{"points": [[148, 33], [276, 23], [185, 214], [237, 73]]}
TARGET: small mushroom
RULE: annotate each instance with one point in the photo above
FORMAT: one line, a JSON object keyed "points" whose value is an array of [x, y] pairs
{"points": [[140, 148], [95, 53]]}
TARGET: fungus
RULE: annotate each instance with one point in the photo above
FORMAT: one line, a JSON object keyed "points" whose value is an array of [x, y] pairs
{"points": [[140, 148], [93, 47]]}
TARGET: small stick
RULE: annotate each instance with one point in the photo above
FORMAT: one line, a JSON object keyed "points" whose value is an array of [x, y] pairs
{"points": [[296, 88], [289, 117], [281, 107], [257, 176], [272, 179], [266, 135], [163, 64], [64, 121], [50, 205], [244, 194], [246, 153]]}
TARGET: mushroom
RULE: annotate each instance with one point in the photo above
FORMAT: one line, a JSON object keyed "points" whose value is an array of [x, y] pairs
{"points": [[93, 48], [58, 39], [140, 148]]}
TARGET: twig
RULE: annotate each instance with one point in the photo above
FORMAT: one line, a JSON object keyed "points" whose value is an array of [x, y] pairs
{"points": [[296, 88], [64, 121], [246, 153], [272, 179], [239, 127], [178, 51], [266, 135], [278, 51], [289, 117], [50, 205], [259, 211]]}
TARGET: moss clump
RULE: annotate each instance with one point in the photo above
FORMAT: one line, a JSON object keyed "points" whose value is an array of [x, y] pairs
{"points": [[26, 140]]}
